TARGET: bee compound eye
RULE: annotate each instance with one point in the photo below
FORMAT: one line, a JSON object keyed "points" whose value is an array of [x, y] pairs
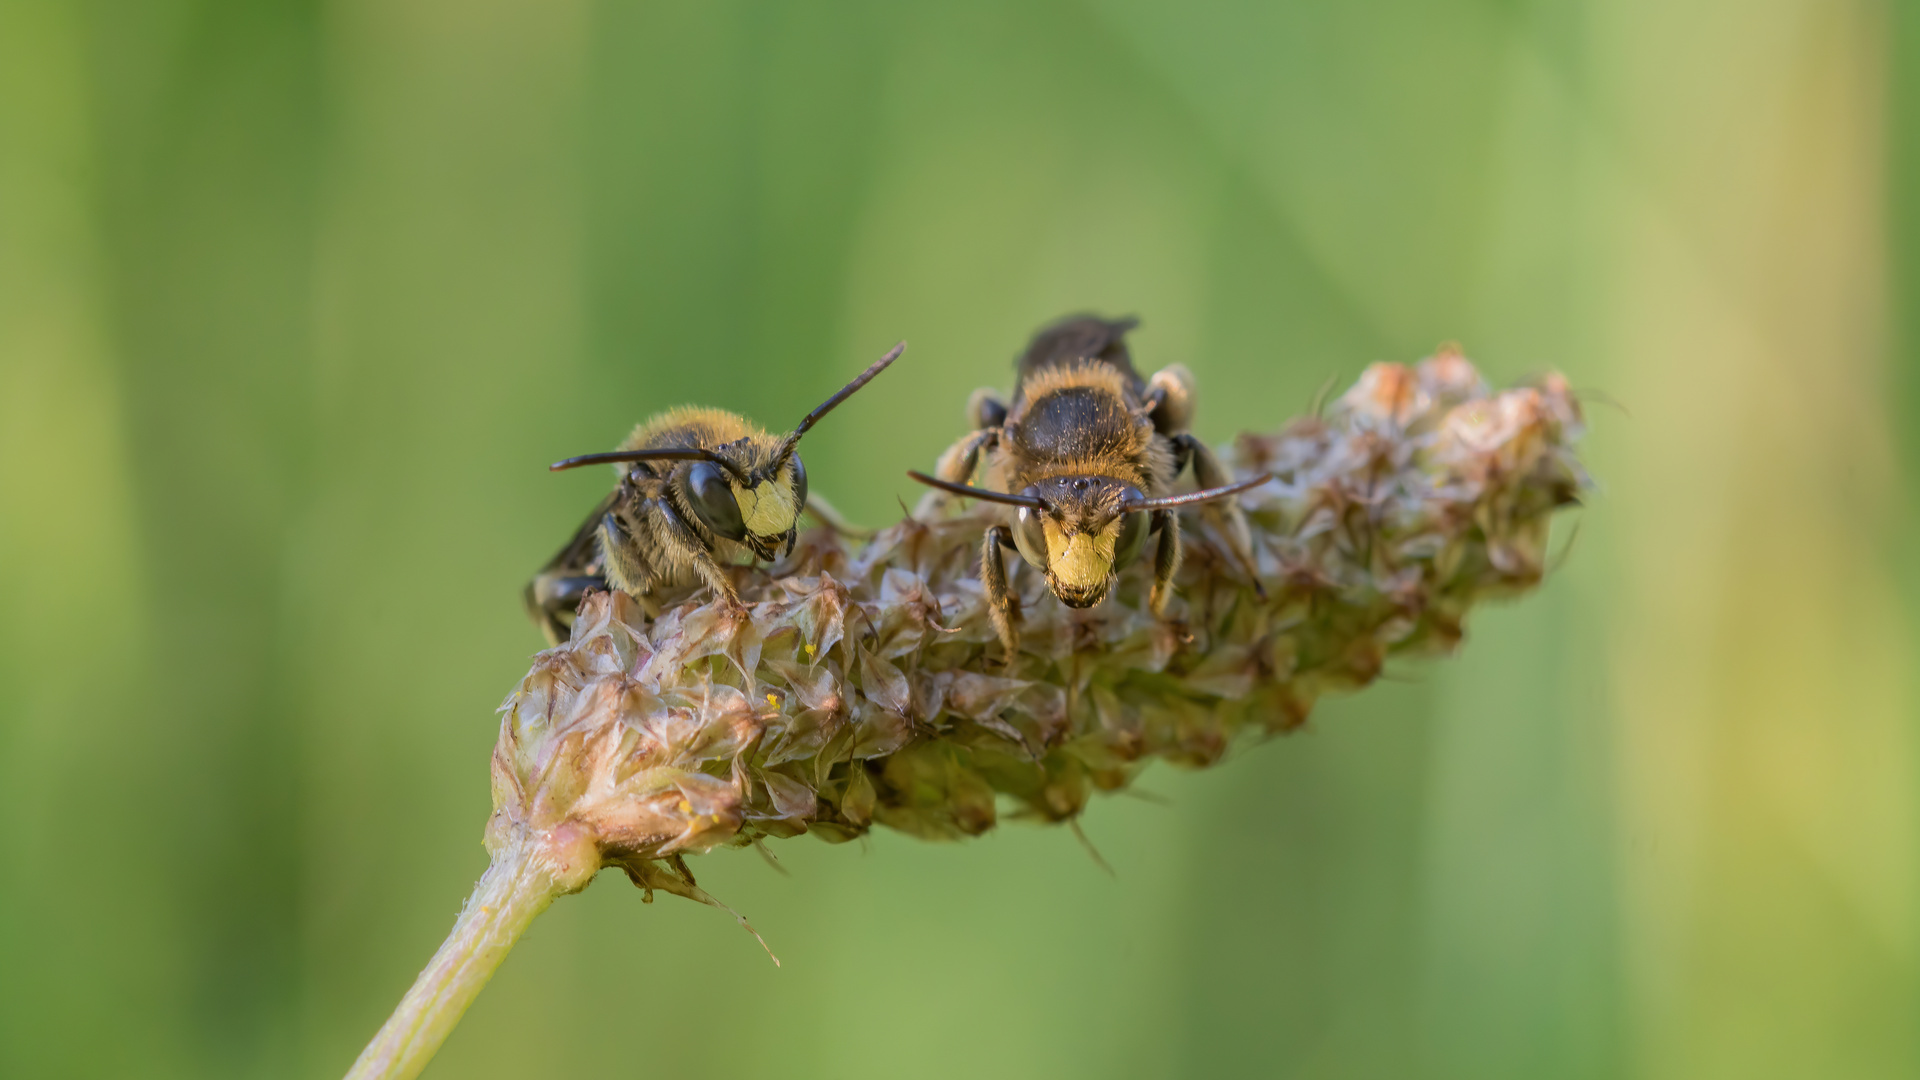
{"points": [[712, 499], [1030, 538], [799, 483], [1133, 537]]}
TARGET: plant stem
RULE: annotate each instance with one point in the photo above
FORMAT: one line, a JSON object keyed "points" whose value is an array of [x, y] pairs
{"points": [[515, 888]]}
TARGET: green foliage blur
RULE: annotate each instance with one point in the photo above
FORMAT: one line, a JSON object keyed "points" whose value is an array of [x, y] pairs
{"points": [[298, 298]]}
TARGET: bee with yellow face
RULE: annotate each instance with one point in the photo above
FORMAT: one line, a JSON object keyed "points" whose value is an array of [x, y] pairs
{"points": [[1088, 454], [697, 488]]}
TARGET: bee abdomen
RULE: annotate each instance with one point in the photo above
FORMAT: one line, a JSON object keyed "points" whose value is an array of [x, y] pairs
{"points": [[1077, 338]]}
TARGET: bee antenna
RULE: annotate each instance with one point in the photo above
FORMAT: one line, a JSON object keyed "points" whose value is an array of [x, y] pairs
{"points": [[1207, 495], [982, 494], [673, 453], [781, 452]]}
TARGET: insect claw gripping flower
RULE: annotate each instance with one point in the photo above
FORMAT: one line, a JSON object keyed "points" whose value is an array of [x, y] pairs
{"points": [[863, 687]]}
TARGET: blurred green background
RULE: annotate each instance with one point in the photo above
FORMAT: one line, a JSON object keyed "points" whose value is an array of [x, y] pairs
{"points": [[298, 298]]}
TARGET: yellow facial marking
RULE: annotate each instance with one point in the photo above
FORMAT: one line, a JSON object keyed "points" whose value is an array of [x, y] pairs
{"points": [[1080, 560], [768, 509]]}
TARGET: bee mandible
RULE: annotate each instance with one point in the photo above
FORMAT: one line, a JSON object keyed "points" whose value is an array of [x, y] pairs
{"points": [[1088, 454], [697, 487]]}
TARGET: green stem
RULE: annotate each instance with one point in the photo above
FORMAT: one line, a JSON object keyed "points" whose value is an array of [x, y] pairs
{"points": [[515, 888]]}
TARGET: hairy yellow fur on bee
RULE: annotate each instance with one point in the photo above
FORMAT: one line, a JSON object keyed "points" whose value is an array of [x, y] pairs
{"points": [[692, 425], [1080, 560], [1144, 468], [1094, 373]]}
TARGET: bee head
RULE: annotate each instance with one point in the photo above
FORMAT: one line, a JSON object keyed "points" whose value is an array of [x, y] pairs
{"points": [[751, 490], [1081, 530], [769, 493], [760, 506], [1080, 534]]}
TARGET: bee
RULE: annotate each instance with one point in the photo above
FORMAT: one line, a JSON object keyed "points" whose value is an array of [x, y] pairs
{"points": [[698, 488], [1088, 454]]}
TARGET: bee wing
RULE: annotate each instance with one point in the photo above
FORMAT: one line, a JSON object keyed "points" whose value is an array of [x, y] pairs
{"points": [[581, 552]]}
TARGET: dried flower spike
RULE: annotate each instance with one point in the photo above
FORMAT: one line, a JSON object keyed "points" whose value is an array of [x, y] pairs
{"points": [[863, 687]]}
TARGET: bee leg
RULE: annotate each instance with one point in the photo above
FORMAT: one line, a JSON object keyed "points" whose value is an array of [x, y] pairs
{"points": [[1002, 605], [621, 562], [962, 459], [956, 466], [553, 599], [626, 567], [1169, 399], [1208, 474], [683, 542], [985, 409], [1166, 559]]}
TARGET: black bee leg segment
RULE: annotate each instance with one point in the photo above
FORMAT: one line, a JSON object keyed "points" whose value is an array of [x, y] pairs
{"points": [[685, 543], [985, 409], [956, 466], [1207, 473], [1001, 605], [1166, 559], [551, 596]]}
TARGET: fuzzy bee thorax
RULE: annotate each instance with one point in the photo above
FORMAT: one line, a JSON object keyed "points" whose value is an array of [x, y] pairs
{"points": [[693, 425]]}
